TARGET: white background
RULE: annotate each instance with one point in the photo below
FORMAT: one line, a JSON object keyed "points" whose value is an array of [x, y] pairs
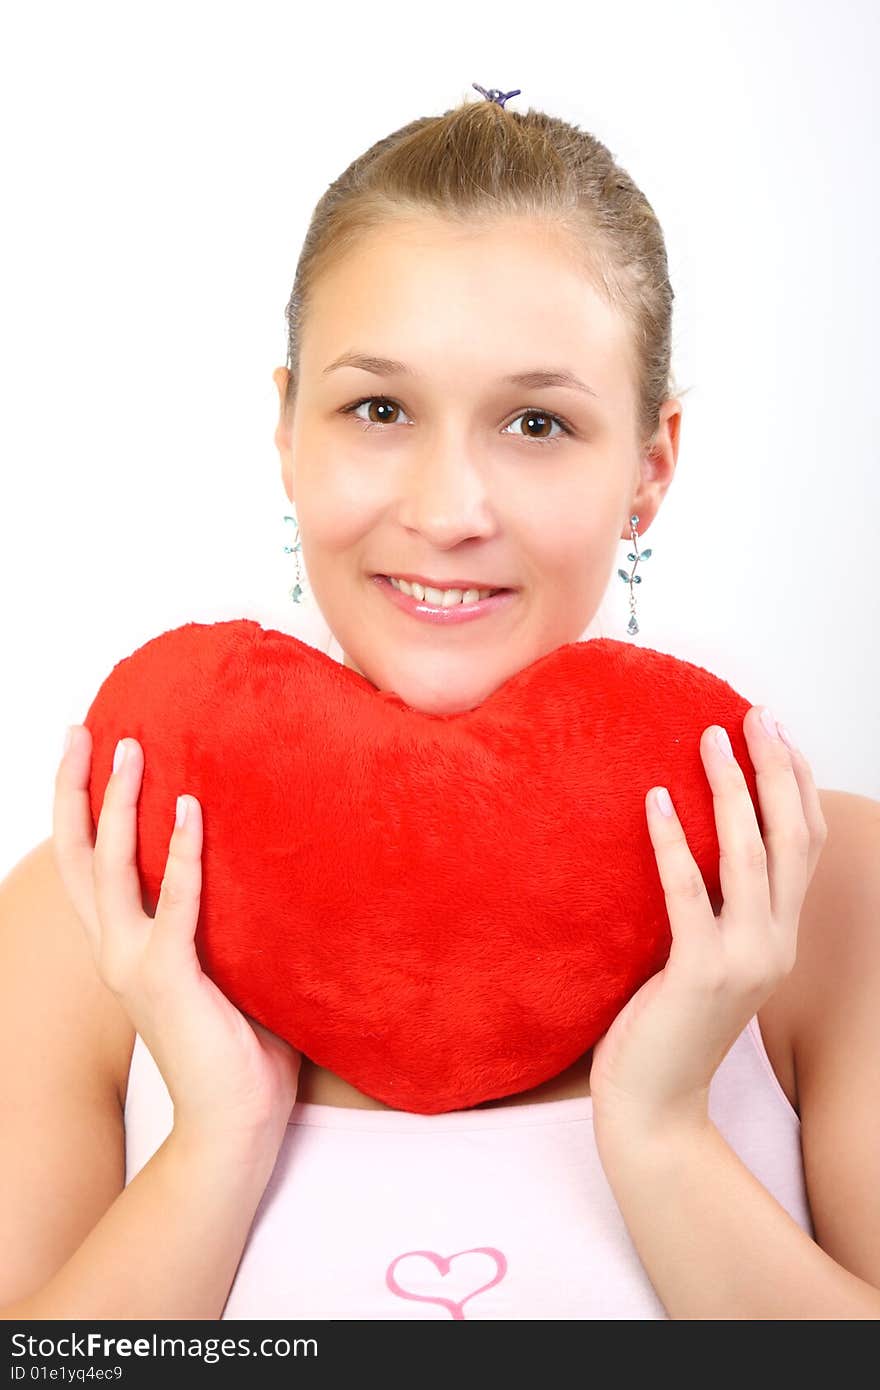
{"points": [[159, 167]]}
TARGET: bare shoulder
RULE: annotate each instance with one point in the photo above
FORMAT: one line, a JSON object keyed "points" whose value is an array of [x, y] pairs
{"points": [[34, 896], [828, 1012]]}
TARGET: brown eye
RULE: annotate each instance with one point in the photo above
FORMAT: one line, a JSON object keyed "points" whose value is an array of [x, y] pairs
{"points": [[380, 411], [538, 424]]}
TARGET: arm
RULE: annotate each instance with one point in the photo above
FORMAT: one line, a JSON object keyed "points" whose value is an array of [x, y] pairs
{"points": [[170, 1244], [714, 1242], [74, 1241]]}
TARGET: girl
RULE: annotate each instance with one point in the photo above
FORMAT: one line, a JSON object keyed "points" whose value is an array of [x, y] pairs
{"points": [[477, 397]]}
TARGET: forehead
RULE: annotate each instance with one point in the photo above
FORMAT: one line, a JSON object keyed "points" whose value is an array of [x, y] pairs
{"points": [[441, 297]]}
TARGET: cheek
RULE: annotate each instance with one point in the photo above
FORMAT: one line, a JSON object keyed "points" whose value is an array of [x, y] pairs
{"points": [[336, 513], [574, 551]]}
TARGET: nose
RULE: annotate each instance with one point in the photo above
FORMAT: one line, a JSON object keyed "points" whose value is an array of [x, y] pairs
{"points": [[444, 495]]}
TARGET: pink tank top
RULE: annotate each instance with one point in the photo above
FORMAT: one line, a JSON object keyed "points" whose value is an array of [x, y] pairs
{"points": [[498, 1213]]}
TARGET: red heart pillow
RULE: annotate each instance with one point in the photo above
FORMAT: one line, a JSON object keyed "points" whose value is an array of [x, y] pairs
{"points": [[442, 909]]}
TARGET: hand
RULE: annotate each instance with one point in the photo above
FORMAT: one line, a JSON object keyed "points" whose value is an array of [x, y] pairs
{"points": [[227, 1075], [656, 1061]]}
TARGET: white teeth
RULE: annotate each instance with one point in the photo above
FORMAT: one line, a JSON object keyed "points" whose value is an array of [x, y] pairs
{"points": [[441, 598]]}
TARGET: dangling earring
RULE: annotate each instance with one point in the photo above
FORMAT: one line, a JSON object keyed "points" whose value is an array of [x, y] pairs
{"points": [[632, 578], [297, 591]]}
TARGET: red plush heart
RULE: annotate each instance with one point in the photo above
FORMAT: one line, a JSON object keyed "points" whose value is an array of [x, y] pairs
{"points": [[441, 909]]}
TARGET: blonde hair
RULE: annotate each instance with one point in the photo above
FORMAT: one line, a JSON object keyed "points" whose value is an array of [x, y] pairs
{"points": [[478, 163]]}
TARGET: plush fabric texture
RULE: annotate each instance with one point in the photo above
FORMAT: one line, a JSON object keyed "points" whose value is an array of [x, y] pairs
{"points": [[441, 909]]}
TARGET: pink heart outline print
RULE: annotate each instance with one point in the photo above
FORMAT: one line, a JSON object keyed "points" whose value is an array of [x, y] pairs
{"points": [[442, 1263]]}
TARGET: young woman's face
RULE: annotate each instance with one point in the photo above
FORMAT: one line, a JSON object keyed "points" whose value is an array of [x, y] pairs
{"points": [[463, 474]]}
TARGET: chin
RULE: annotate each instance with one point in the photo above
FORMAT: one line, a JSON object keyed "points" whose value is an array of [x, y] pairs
{"points": [[440, 703], [442, 696]]}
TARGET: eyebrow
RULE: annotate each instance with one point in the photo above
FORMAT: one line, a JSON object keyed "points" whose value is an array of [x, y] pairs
{"points": [[534, 380]]}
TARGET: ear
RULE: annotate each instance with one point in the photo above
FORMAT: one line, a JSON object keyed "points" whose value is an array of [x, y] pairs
{"points": [[281, 377], [657, 467]]}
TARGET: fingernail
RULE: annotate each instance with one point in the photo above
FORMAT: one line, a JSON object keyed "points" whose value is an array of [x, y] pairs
{"points": [[664, 801], [723, 742], [119, 755], [182, 808], [68, 740], [787, 738], [769, 722]]}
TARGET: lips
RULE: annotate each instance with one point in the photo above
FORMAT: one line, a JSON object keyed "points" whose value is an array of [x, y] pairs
{"points": [[431, 610]]}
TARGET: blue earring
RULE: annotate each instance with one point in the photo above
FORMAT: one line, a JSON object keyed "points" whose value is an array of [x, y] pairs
{"points": [[632, 578], [297, 591]]}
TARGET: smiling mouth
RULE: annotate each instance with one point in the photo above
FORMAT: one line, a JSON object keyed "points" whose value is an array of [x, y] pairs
{"points": [[433, 606]]}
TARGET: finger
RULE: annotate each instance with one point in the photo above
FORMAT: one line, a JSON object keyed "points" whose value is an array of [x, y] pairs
{"points": [[743, 862], [177, 911], [810, 800], [73, 831], [117, 883], [786, 833], [691, 917]]}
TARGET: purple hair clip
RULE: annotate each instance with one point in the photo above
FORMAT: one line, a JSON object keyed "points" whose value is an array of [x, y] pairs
{"points": [[494, 94]]}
